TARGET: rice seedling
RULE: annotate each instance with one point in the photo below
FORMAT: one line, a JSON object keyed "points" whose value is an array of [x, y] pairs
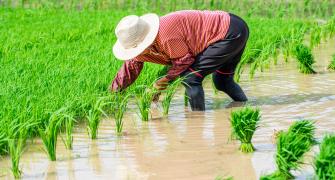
{"points": [[16, 142], [315, 38], [144, 101], [324, 163], [15, 148], [121, 102], [245, 123], [93, 118], [186, 99], [332, 63], [305, 58], [49, 135], [291, 146], [169, 93], [69, 123]]}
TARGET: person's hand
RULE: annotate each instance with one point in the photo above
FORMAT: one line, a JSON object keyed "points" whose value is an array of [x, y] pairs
{"points": [[161, 84], [155, 97]]}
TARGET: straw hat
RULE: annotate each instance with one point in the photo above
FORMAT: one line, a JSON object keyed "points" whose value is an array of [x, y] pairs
{"points": [[134, 34]]}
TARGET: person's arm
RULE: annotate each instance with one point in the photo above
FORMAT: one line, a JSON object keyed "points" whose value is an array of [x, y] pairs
{"points": [[178, 50], [128, 73], [179, 66]]}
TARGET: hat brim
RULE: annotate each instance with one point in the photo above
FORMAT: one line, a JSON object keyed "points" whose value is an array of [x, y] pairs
{"points": [[126, 54]]}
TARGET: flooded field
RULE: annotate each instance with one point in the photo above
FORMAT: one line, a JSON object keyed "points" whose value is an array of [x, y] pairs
{"points": [[194, 145]]}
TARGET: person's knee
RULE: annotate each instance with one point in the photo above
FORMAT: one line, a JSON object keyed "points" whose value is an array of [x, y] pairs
{"points": [[222, 83]]}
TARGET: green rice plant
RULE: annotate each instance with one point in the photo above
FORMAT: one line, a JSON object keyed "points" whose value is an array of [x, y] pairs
{"points": [[120, 108], [169, 93], [324, 162], [144, 101], [186, 99], [315, 38], [291, 146], [49, 135], [69, 123], [16, 147], [93, 118], [305, 58], [332, 63], [244, 123], [16, 143]]}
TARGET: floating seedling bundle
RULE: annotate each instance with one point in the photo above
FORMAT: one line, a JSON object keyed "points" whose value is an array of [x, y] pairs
{"points": [[291, 146], [324, 163], [305, 58], [245, 123]]}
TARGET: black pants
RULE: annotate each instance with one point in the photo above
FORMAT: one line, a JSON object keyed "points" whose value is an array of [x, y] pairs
{"points": [[219, 59]]}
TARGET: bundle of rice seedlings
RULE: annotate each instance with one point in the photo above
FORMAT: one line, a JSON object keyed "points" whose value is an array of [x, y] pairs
{"points": [[305, 58], [324, 163], [304, 128], [332, 63], [291, 146], [245, 123]]}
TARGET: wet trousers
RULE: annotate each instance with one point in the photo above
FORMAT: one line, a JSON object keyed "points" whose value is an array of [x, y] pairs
{"points": [[219, 59]]}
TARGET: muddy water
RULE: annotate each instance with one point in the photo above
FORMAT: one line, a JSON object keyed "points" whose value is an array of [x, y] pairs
{"points": [[193, 145]]}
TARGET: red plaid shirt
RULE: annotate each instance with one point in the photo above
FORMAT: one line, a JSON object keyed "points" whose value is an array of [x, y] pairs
{"points": [[181, 36]]}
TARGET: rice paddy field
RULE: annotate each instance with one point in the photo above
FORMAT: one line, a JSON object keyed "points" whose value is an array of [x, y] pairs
{"points": [[58, 119]]}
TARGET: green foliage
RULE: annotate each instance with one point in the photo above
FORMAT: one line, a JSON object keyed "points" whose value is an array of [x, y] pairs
{"points": [[332, 63], [324, 162], [291, 146], [245, 123], [305, 58]]}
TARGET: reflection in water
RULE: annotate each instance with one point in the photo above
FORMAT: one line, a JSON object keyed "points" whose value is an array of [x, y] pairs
{"points": [[195, 145]]}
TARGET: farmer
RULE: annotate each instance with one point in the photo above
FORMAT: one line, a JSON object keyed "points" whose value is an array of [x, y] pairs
{"points": [[194, 43]]}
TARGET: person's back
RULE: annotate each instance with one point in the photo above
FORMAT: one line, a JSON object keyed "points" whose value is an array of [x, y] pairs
{"points": [[206, 27]]}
